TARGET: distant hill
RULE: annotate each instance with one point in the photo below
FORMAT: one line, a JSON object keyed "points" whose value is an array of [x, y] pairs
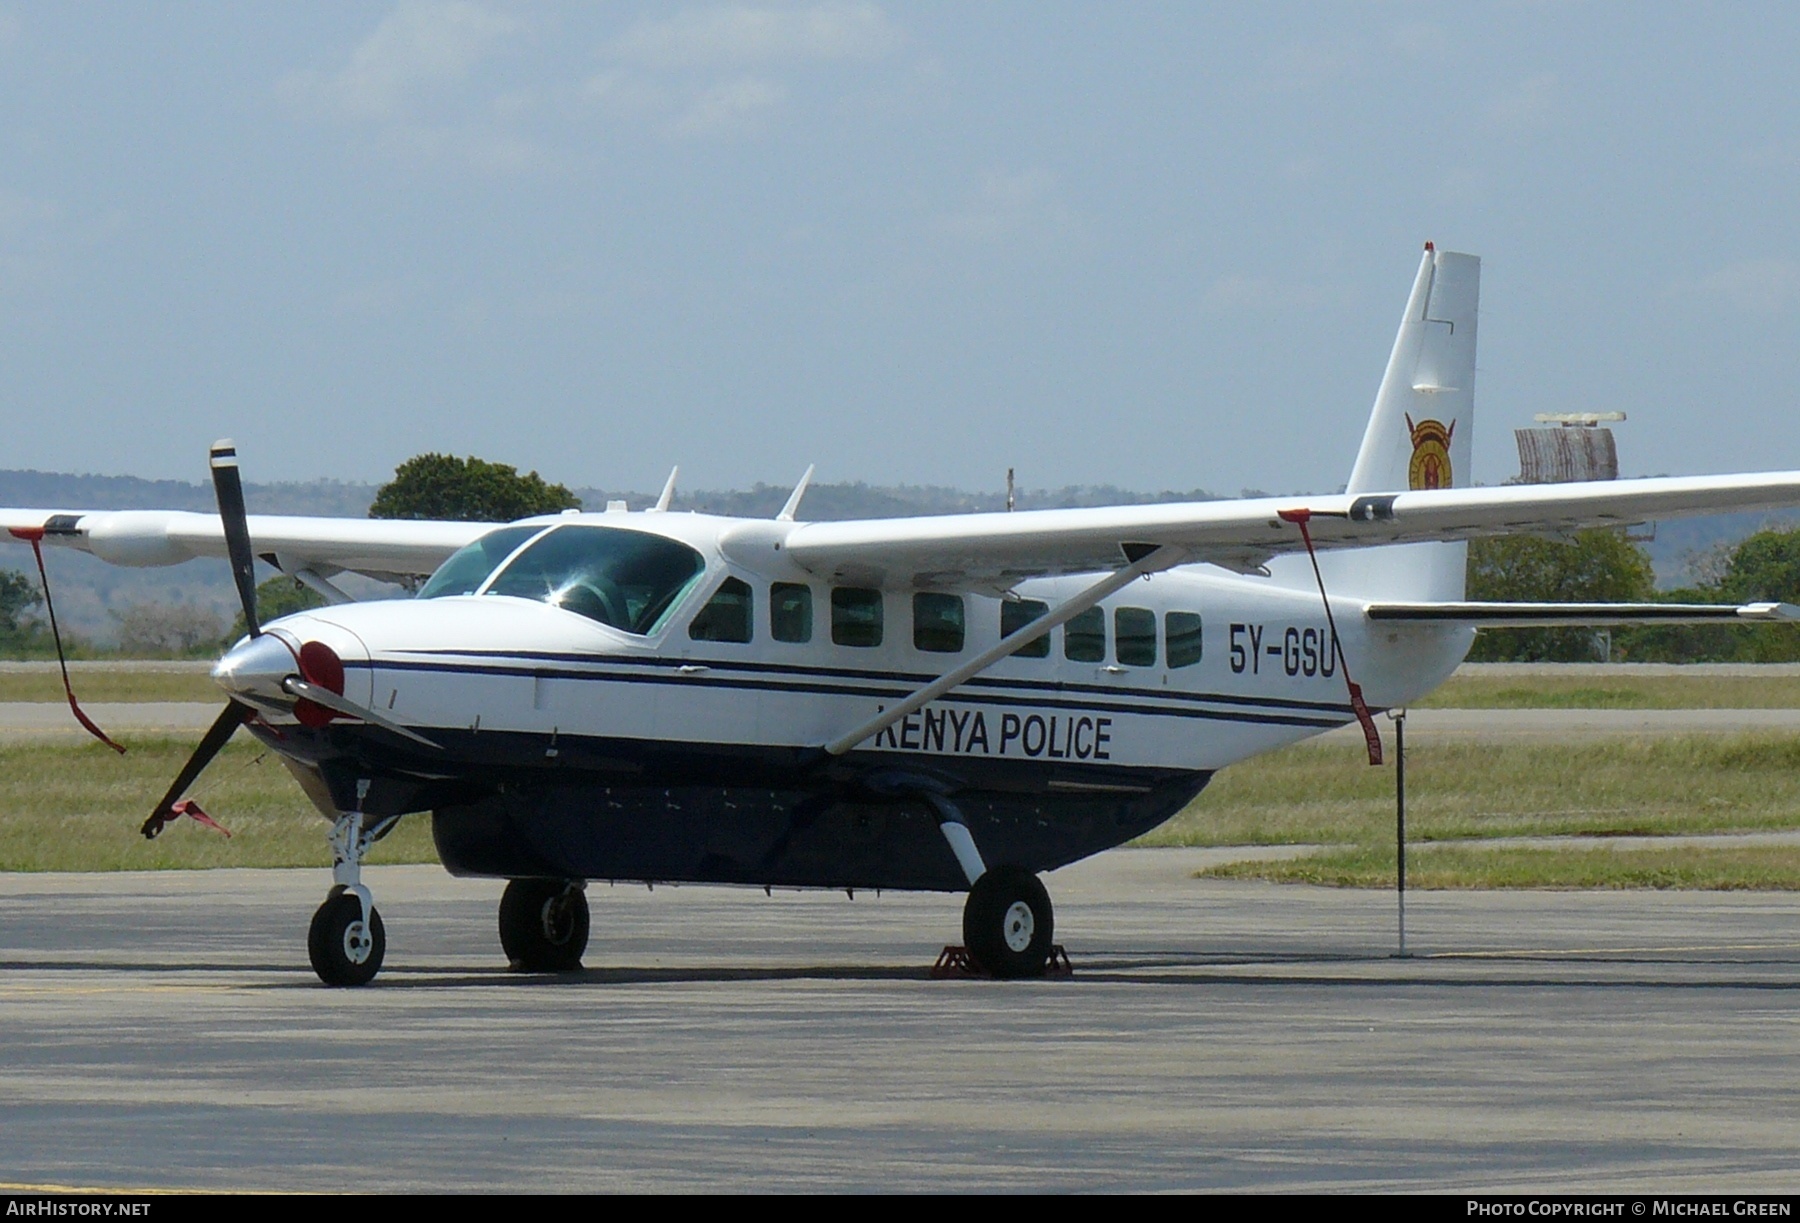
{"points": [[87, 590], [1681, 546]]}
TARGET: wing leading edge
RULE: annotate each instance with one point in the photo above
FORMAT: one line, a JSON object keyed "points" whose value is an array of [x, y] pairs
{"points": [[382, 548], [998, 550]]}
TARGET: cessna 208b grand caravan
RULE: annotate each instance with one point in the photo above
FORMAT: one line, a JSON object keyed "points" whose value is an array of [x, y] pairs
{"points": [[941, 703]]}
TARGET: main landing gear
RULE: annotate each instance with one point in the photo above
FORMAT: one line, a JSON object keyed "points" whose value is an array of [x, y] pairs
{"points": [[1008, 924], [347, 942], [544, 924]]}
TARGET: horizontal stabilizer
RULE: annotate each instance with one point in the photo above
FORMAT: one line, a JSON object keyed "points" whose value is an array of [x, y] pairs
{"points": [[1597, 615]]}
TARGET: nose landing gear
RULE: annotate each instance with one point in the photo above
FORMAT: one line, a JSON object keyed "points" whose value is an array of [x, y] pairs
{"points": [[347, 942]]}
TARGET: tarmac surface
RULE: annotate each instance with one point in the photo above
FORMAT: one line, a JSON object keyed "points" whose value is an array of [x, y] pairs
{"points": [[163, 1029]]}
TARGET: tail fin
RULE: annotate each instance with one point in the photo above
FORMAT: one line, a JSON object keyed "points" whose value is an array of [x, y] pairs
{"points": [[1420, 432]]}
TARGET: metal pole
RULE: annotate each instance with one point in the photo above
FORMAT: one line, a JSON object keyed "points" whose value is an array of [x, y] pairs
{"points": [[1399, 717]]}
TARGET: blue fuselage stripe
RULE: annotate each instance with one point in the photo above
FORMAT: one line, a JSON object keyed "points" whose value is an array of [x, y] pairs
{"points": [[1302, 713]]}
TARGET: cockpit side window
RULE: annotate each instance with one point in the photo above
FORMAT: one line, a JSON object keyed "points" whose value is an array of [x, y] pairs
{"points": [[631, 580], [726, 616], [469, 566]]}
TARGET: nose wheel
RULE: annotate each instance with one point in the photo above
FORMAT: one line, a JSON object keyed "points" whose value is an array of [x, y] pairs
{"points": [[1008, 924], [544, 924], [345, 947]]}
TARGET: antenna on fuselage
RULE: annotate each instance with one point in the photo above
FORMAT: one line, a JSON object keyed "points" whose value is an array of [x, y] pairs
{"points": [[668, 492], [793, 501]]}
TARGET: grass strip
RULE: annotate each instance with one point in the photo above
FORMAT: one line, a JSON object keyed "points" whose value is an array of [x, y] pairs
{"points": [[1623, 691], [1315, 793], [1769, 868], [77, 807]]}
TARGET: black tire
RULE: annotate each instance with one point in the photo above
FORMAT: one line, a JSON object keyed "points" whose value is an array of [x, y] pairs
{"points": [[543, 925], [1008, 925], [343, 953]]}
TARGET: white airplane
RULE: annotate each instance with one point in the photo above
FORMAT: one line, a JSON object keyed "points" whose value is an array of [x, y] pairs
{"points": [[939, 703]]}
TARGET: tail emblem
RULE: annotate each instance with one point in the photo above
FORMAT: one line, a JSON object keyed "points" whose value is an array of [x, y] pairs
{"points": [[1430, 466]]}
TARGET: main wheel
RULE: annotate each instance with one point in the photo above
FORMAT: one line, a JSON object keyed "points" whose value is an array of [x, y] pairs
{"points": [[343, 949], [543, 925], [1008, 923]]}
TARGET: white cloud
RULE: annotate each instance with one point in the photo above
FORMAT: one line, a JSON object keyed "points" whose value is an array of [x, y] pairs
{"points": [[423, 45], [1754, 286], [1301, 66], [1774, 155], [734, 34], [412, 84], [729, 107], [1421, 40], [730, 69], [1009, 204], [1527, 105]]}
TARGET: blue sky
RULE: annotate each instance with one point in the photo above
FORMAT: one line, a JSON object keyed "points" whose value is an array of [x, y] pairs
{"points": [[1161, 246]]}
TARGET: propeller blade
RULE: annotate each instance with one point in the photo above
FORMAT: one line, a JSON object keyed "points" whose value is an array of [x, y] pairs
{"points": [[228, 487], [234, 715], [325, 697]]}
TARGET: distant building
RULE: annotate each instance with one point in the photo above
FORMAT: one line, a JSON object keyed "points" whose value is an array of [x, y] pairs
{"points": [[1577, 449]]}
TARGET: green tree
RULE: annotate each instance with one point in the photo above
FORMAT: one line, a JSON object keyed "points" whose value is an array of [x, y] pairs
{"points": [[1765, 567], [1598, 566], [446, 488], [19, 597]]}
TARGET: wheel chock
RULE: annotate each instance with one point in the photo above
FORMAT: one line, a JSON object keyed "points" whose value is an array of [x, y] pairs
{"points": [[955, 963]]}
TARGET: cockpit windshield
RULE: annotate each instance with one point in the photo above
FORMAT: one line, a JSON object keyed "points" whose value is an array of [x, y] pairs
{"points": [[469, 566], [630, 580]]}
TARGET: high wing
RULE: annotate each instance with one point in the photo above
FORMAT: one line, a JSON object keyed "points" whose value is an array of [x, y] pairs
{"points": [[389, 549], [995, 551]]}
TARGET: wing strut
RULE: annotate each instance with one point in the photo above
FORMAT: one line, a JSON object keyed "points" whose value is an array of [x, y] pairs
{"points": [[1300, 518], [1144, 560]]}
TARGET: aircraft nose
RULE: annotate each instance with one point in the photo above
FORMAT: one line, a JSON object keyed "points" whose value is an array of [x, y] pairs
{"points": [[252, 670]]}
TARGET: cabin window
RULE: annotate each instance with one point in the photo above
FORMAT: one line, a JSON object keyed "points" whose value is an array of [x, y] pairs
{"points": [[1181, 639], [1134, 636], [631, 580], [726, 616], [790, 612], [938, 623], [470, 565], [1015, 615], [855, 616], [1084, 637]]}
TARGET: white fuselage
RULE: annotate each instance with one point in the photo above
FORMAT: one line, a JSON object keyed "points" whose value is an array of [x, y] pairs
{"points": [[1265, 674]]}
